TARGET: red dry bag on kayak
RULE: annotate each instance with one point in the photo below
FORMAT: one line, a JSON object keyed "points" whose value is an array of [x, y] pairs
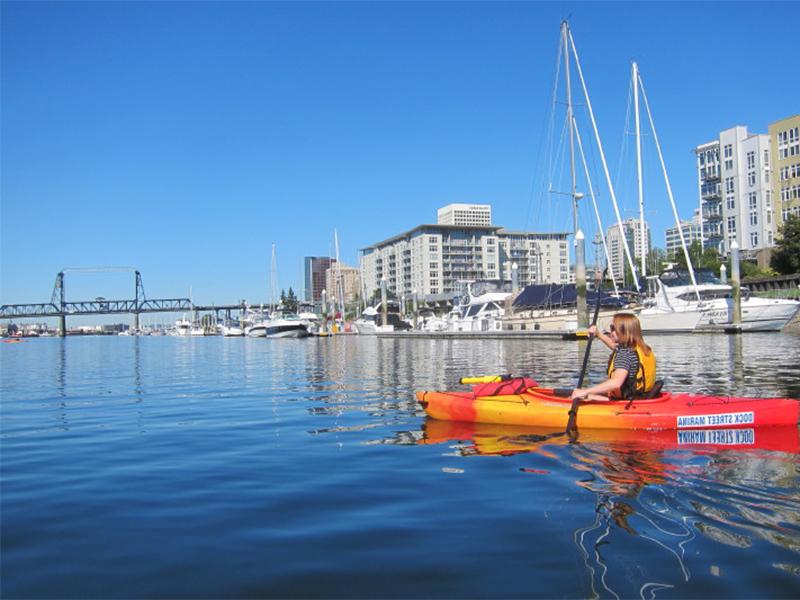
{"points": [[515, 385]]}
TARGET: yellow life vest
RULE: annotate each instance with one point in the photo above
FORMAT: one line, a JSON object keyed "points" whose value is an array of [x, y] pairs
{"points": [[645, 374]]}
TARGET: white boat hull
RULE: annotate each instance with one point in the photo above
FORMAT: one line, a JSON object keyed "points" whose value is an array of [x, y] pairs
{"points": [[758, 314], [269, 330], [370, 328]]}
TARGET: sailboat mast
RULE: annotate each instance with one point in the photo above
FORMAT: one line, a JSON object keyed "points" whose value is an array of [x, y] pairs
{"points": [[571, 122], [669, 193], [272, 277], [642, 236], [339, 289], [610, 185]]}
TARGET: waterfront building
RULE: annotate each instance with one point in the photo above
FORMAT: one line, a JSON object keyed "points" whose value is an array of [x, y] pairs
{"points": [[315, 269], [736, 192], [476, 215], [785, 150], [435, 261], [632, 232], [691, 229], [350, 279]]}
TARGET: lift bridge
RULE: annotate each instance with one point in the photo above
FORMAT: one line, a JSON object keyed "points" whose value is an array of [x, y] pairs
{"points": [[59, 307]]}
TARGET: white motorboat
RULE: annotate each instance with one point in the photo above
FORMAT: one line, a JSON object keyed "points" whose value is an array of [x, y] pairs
{"points": [[279, 325], [311, 321], [232, 330], [182, 327], [479, 313], [429, 321], [371, 320], [676, 306]]}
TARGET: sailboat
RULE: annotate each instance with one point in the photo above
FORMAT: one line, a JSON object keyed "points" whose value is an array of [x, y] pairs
{"points": [[692, 301], [554, 308]]}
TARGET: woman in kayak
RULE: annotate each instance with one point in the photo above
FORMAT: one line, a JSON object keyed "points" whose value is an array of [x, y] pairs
{"points": [[632, 366]]}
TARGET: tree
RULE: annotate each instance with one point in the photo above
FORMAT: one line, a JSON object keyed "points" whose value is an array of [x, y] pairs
{"points": [[655, 260], [701, 258], [290, 300], [786, 256]]}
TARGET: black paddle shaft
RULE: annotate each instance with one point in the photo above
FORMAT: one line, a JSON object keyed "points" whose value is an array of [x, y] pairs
{"points": [[572, 425], [594, 322]]}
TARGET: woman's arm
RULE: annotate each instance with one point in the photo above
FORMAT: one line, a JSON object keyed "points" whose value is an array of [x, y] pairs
{"points": [[593, 330], [609, 385]]}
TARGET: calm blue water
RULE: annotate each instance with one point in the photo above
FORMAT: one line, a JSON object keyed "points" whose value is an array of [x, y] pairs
{"points": [[247, 468]]}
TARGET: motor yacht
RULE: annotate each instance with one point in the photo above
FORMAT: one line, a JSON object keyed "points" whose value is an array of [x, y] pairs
{"points": [[371, 320], [280, 324], [676, 307]]}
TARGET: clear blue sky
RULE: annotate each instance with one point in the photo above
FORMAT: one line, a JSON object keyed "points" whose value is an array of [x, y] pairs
{"points": [[185, 138]]}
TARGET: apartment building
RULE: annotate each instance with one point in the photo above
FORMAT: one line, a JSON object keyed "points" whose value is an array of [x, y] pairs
{"points": [[474, 215], [691, 229], [315, 269], [632, 234], [350, 279], [736, 191], [785, 151], [436, 260]]}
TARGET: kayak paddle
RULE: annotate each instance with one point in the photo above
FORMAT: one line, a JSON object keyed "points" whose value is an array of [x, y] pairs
{"points": [[573, 411]]}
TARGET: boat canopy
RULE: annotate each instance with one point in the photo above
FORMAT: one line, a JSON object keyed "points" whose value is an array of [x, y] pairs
{"points": [[557, 294], [679, 277]]}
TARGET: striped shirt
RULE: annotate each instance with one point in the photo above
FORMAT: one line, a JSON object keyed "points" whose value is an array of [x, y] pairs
{"points": [[626, 358]]}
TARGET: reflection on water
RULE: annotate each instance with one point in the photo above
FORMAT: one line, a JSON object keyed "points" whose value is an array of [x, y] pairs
{"points": [[305, 468], [655, 492]]}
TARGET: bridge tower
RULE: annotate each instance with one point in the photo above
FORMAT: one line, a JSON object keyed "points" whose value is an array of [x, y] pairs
{"points": [[58, 299], [138, 299]]}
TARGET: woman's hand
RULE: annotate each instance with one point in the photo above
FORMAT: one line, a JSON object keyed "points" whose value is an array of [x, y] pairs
{"points": [[592, 330], [579, 393]]}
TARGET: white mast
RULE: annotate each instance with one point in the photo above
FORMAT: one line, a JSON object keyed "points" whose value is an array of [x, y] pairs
{"points": [[571, 122], [669, 192], [603, 160], [272, 277], [339, 289], [643, 237], [596, 211]]}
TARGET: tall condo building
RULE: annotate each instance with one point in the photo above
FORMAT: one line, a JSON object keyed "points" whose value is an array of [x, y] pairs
{"points": [[691, 233], [733, 174], [436, 260], [632, 232], [348, 276], [785, 146], [475, 215], [315, 268]]}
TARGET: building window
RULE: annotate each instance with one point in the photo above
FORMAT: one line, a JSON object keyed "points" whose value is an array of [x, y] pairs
{"points": [[751, 178], [730, 185], [754, 239], [728, 152], [751, 160], [731, 202], [753, 199], [753, 218], [731, 224]]}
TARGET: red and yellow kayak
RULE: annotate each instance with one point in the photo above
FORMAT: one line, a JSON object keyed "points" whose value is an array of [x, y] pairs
{"points": [[541, 407]]}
